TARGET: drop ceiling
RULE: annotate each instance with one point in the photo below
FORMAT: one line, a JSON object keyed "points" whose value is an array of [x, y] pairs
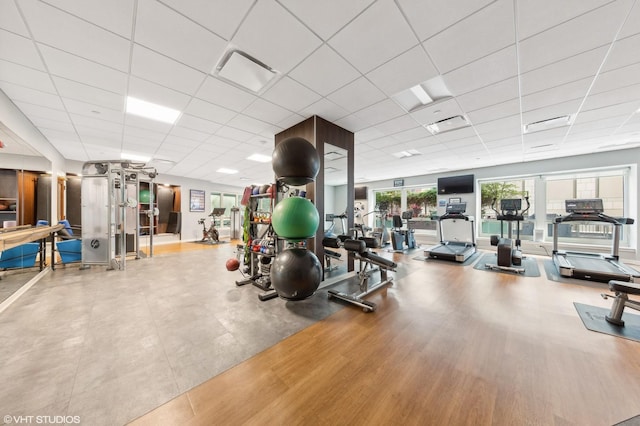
{"points": [[69, 65]]}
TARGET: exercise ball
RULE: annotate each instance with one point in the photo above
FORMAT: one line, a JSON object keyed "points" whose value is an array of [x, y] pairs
{"points": [[255, 190], [232, 264], [295, 218], [296, 274], [295, 161], [145, 196]]}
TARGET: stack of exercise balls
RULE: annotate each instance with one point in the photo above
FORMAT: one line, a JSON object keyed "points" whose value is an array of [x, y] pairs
{"points": [[296, 272]]}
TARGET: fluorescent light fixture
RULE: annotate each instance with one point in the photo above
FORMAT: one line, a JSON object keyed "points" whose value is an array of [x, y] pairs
{"points": [[260, 158], [551, 123], [421, 94], [227, 171], [243, 70], [151, 111], [134, 157], [407, 153], [447, 124]]}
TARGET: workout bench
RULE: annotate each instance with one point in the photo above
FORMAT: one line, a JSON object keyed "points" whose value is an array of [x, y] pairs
{"points": [[622, 290], [368, 259]]}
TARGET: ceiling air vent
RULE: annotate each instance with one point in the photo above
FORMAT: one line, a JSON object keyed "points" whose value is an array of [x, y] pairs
{"points": [[244, 70], [447, 124], [551, 123]]}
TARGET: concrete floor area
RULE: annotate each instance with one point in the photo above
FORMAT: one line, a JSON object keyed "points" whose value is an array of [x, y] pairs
{"points": [[108, 346]]}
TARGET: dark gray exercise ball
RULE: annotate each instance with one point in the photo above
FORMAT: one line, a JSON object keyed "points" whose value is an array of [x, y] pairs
{"points": [[295, 161], [296, 274]]}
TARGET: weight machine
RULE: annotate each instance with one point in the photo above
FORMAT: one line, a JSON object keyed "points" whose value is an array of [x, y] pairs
{"points": [[110, 215]]}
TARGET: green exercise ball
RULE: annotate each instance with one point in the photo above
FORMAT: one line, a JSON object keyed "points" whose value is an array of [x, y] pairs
{"points": [[295, 218], [144, 196]]}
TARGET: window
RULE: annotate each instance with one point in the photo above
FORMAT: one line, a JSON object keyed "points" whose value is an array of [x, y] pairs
{"points": [[503, 189], [227, 201], [608, 186]]}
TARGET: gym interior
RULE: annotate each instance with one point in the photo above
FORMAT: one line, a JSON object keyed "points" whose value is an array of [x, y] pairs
{"points": [[282, 212]]}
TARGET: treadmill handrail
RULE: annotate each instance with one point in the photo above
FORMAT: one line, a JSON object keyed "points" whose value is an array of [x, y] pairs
{"points": [[594, 217]]}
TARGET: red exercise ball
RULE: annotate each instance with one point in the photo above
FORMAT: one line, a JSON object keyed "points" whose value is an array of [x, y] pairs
{"points": [[232, 264]]}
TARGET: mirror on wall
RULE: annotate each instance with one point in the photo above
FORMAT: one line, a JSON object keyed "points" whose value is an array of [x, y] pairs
{"points": [[335, 202], [25, 198]]}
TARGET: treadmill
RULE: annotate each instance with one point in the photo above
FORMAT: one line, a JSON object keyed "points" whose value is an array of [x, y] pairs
{"points": [[457, 251], [592, 266]]}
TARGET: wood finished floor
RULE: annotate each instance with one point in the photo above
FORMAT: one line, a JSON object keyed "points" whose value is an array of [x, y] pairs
{"points": [[448, 345]]}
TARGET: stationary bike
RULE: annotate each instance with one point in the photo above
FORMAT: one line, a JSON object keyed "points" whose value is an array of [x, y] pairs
{"points": [[508, 251], [212, 235]]}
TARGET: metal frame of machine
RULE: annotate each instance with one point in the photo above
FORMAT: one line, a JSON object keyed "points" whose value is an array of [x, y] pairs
{"points": [[457, 251]]}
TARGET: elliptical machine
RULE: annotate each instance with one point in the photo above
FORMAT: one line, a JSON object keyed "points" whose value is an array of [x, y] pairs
{"points": [[508, 250]]}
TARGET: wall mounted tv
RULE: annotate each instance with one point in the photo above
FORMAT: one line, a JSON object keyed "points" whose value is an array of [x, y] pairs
{"points": [[456, 184], [360, 192]]}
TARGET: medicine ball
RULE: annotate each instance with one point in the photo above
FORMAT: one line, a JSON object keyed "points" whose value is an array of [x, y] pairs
{"points": [[295, 161], [295, 218], [296, 274], [232, 264]]}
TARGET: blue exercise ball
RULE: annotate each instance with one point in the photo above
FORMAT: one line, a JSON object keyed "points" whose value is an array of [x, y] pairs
{"points": [[296, 274]]}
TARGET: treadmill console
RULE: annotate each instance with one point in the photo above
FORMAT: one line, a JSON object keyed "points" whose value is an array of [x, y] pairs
{"points": [[456, 208], [511, 204], [407, 215], [584, 206]]}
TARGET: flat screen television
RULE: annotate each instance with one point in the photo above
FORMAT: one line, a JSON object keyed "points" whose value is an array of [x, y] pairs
{"points": [[360, 193], [456, 184]]}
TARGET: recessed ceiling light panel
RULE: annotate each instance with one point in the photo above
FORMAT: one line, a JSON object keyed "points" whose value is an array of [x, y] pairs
{"points": [[260, 158], [447, 124], [151, 111], [227, 171]]}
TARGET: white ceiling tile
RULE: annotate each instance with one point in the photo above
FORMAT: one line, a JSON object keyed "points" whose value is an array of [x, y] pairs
{"points": [[85, 125], [36, 97], [27, 77], [233, 134], [220, 93], [623, 53], [196, 123], [89, 94], [145, 124], [11, 20], [323, 108], [158, 94], [534, 17], [154, 67], [249, 124], [612, 97], [352, 123], [209, 111], [131, 130], [20, 50], [632, 26], [430, 17], [366, 45], [380, 112], [404, 71], [495, 112], [500, 129], [416, 133], [356, 95], [273, 36], [266, 111], [566, 92], [290, 94], [614, 79], [63, 125], [324, 71], [113, 15], [489, 95], [56, 28], [220, 16], [94, 111], [81, 70], [322, 17], [31, 110], [180, 144], [607, 112], [577, 36], [483, 72], [186, 42], [187, 133], [486, 31], [60, 135], [553, 111], [292, 120], [611, 124], [565, 71], [397, 125]]}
